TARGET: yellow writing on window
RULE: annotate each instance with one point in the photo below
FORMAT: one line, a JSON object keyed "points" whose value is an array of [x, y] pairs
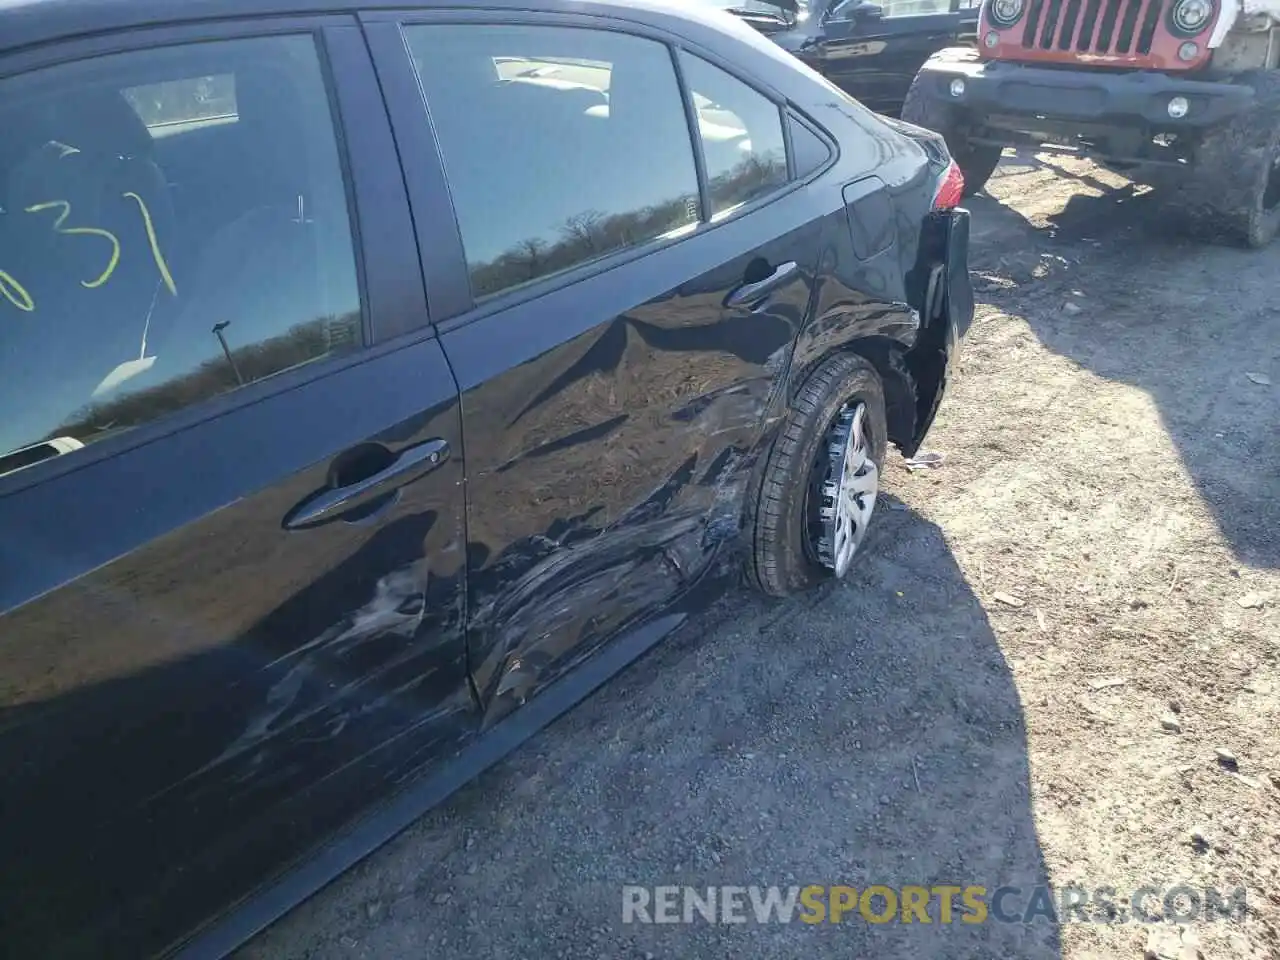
{"points": [[60, 227], [17, 294], [156, 255]]}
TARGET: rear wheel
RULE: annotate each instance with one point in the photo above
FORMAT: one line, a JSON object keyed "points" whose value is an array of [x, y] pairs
{"points": [[810, 516], [977, 161], [1233, 191]]}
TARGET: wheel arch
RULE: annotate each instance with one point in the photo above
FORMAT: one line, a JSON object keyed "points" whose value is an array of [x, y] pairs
{"points": [[888, 356]]}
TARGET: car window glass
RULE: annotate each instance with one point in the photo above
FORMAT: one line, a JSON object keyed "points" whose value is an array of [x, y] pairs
{"points": [[914, 8], [170, 104], [808, 149], [561, 145], [741, 134], [173, 224]]}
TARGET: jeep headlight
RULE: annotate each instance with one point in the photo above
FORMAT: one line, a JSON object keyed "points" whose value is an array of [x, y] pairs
{"points": [[1005, 13], [1189, 17]]}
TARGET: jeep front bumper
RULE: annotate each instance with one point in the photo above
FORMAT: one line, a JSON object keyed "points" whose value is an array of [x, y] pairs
{"points": [[1008, 92]]}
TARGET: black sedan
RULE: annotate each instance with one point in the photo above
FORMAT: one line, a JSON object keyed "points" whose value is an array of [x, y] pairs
{"points": [[871, 50], [378, 381]]}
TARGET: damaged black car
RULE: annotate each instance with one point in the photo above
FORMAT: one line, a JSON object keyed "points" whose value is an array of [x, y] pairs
{"points": [[870, 50], [376, 384]]}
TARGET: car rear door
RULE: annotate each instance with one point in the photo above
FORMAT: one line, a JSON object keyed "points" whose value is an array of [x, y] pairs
{"points": [[874, 50], [619, 314], [231, 574]]}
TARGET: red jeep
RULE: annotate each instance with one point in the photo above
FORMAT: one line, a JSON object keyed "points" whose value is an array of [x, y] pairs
{"points": [[1180, 92]]}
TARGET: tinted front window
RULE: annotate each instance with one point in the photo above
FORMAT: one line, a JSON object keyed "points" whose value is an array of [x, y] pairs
{"points": [[742, 138], [561, 145], [173, 224]]}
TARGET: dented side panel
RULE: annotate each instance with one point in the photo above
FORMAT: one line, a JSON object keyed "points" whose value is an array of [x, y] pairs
{"points": [[190, 695], [879, 305], [611, 428]]}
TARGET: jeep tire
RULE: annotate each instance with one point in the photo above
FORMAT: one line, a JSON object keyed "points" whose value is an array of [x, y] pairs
{"points": [[1232, 193], [977, 161]]}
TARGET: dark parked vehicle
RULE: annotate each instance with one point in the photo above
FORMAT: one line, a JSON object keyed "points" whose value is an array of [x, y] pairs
{"points": [[378, 382], [870, 50]]}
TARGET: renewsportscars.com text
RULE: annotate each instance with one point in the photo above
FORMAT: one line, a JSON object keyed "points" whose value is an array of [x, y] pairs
{"points": [[936, 904]]}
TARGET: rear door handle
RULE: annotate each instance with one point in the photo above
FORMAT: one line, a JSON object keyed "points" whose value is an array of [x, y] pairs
{"points": [[409, 465], [750, 294]]}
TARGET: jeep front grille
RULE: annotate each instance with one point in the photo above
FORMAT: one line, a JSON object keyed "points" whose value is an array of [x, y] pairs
{"points": [[1092, 26]]}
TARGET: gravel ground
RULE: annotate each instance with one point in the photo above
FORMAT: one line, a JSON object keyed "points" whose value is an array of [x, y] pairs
{"points": [[1025, 683]]}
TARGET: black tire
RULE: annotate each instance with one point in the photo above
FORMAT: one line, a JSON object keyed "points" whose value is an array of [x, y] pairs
{"points": [[977, 161], [782, 554], [1232, 193]]}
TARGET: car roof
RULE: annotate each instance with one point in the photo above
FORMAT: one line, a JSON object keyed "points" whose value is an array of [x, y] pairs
{"points": [[25, 23]]}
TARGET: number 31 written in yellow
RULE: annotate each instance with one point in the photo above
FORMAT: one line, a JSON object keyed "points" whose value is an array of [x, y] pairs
{"points": [[18, 295]]}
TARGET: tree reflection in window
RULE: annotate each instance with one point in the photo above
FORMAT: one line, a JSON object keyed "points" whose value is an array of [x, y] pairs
{"points": [[581, 150], [584, 236], [742, 136], [304, 343]]}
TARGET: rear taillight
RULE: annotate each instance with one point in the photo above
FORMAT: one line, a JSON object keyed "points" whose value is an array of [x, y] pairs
{"points": [[950, 188]]}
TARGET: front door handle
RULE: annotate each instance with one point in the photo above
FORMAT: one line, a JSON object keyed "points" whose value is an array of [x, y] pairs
{"points": [[750, 294], [407, 466]]}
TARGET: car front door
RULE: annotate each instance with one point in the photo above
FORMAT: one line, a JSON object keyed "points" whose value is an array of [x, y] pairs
{"points": [[231, 574], [620, 317], [874, 50]]}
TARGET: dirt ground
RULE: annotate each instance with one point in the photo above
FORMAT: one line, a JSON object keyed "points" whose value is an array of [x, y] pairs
{"points": [[1025, 683]]}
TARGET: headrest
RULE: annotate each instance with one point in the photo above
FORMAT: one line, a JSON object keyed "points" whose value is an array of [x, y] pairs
{"points": [[99, 120], [55, 173]]}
